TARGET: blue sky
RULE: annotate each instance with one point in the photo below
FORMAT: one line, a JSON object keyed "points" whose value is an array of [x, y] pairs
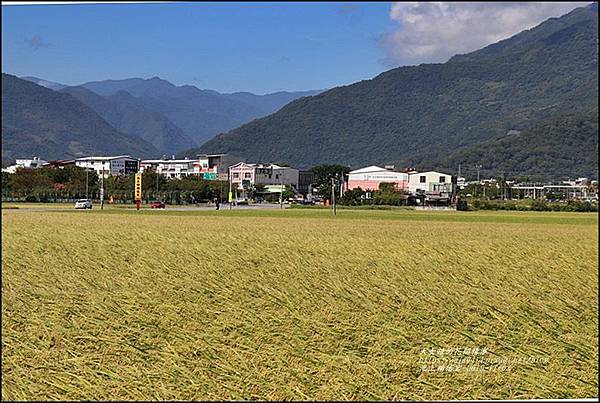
{"points": [[257, 47]]}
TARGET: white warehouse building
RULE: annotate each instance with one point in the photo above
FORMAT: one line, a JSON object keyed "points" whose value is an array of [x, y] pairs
{"points": [[109, 166], [33, 163], [172, 169]]}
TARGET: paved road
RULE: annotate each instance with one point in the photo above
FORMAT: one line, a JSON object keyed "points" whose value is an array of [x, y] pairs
{"points": [[262, 206]]}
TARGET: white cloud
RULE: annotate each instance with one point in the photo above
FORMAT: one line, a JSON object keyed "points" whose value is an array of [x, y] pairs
{"points": [[431, 32]]}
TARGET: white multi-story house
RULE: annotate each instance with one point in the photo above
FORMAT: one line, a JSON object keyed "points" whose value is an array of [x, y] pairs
{"points": [[434, 185], [171, 169], [109, 166], [34, 162], [245, 175]]}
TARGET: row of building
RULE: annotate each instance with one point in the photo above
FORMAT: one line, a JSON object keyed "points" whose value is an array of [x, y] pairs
{"points": [[211, 167], [244, 176], [432, 186]]}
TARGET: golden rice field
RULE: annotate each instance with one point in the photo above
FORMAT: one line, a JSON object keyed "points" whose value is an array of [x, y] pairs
{"points": [[297, 304]]}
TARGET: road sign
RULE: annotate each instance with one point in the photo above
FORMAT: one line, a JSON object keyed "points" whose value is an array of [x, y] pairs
{"points": [[209, 176], [138, 186]]}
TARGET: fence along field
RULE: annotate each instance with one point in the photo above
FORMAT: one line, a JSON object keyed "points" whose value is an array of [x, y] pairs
{"points": [[297, 305]]}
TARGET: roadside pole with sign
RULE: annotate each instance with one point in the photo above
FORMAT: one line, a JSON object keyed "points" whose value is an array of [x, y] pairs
{"points": [[230, 196], [138, 190]]}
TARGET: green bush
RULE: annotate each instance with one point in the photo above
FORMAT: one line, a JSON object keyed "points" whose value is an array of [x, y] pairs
{"points": [[534, 205], [539, 205]]}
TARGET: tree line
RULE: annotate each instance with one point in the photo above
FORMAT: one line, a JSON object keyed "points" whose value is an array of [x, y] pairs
{"points": [[71, 182]]}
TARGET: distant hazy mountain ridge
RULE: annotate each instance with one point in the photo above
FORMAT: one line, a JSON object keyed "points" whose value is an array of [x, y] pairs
{"points": [[127, 114], [44, 83], [200, 114]]}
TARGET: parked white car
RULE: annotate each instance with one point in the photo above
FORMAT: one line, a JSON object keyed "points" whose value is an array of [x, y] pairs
{"points": [[83, 203]]}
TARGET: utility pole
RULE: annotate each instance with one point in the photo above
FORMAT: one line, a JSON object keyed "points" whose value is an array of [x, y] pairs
{"points": [[281, 190], [459, 170], [86, 182], [157, 196], [479, 181], [102, 189], [333, 195]]}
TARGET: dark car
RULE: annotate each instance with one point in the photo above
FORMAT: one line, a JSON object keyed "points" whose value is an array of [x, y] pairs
{"points": [[157, 204]]}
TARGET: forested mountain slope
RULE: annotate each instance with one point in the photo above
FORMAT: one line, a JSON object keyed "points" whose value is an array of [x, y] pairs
{"points": [[37, 121]]}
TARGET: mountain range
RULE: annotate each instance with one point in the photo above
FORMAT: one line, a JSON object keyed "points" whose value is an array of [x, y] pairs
{"points": [[129, 114], [37, 121], [199, 114], [162, 118], [430, 115]]}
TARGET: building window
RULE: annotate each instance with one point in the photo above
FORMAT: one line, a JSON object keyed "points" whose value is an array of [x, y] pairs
{"points": [[247, 175], [236, 175], [442, 179], [422, 179], [276, 176]]}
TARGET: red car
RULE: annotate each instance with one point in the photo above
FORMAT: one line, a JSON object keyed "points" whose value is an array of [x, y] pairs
{"points": [[157, 204]]}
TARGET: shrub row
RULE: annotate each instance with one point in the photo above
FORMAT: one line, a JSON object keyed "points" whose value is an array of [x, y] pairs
{"points": [[533, 205]]}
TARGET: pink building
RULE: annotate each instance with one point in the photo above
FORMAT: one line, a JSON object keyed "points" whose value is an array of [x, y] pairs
{"points": [[369, 178], [241, 172]]}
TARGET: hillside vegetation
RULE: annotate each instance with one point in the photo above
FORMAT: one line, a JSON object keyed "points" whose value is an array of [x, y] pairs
{"points": [[560, 148], [53, 125], [128, 114]]}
